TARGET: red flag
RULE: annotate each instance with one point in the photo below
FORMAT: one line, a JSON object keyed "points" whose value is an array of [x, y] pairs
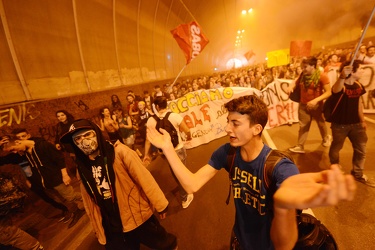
{"points": [[248, 55], [191, 39], [300, 48]]}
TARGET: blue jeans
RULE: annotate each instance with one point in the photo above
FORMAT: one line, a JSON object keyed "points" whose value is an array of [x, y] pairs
{"points": [[305, 117], [357, 136]]}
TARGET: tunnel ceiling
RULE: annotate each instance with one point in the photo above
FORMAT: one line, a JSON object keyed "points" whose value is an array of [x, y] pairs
{"points": [[51, 49]]}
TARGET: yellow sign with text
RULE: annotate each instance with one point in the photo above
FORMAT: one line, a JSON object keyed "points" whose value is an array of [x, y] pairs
{"points": [[278, 57]]}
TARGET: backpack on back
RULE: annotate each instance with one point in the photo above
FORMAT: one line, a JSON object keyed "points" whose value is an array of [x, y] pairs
{"points": [[312, 234], [164, 123]]}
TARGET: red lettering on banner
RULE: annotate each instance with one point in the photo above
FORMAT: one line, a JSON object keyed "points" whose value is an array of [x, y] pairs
{"points": [[271, 123], [204, 110], [280, 114], [193, 122], [188, 121], [196, 120], [290, 111]]}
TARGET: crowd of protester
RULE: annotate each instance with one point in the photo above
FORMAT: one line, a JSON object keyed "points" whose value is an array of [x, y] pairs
{"points": [[259, 76], [127, 122]]}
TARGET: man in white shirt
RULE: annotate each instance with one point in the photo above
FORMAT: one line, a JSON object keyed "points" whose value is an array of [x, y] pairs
{"points": [[180, 126], [370, 56]]}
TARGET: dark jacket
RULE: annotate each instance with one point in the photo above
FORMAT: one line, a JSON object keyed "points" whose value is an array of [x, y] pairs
{"points": [[46, 163]]}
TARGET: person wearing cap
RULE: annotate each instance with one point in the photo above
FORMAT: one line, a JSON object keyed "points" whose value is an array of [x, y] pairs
{"points": [[119, 193]]}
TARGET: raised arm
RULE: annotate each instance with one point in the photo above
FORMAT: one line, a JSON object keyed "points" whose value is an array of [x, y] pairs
{"points": [[301, 191], [339, 84], [191, 182], [308, 190]]}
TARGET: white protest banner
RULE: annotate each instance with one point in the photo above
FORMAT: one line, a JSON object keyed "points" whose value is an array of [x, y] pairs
{"points": [[368, 82], [281, 110], [204, 112]]}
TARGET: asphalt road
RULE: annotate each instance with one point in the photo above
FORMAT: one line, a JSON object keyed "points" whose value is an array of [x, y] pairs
{"points": [[208, 221]]}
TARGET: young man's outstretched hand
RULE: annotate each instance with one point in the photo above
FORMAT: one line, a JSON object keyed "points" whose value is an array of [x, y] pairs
{"points": [[162, 141], [310, 190]]}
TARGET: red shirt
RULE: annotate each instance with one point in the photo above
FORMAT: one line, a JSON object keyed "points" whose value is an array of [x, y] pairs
{"points": [[313, 92]]}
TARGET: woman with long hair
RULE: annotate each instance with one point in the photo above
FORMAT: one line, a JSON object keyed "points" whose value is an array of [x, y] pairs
{"points": [[65, 120], [116, 103]]}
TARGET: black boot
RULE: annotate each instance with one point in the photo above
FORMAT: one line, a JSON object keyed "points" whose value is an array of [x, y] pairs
{"points": [[76, 216]]}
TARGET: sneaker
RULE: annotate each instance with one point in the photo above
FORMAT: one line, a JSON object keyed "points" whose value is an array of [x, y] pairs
{"points": [[365, 180], [297, 149], [76, 216], [327, 141], [65, 216], [189, 199]]}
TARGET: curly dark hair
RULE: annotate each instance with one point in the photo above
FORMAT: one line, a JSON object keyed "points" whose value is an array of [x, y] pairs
{"points": [[311, 60], [356, 65], [252, 106]]}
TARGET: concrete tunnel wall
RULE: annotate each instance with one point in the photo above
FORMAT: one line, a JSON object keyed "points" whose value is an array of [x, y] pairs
{"points": [[65, 48], [74, 54]]}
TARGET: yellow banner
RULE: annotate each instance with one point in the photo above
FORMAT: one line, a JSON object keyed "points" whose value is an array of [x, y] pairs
{"points": [[278, 57]]}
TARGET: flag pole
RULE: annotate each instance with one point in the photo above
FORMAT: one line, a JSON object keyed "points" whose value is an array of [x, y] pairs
{"points": [[362, 35], [170, 87]]}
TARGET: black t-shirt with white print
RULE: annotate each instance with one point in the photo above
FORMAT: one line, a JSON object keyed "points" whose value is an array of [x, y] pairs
{"points": [[108, 204]]}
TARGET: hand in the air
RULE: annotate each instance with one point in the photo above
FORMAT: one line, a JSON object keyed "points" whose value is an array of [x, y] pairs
{"points": [[310, 190], [160, 140]]}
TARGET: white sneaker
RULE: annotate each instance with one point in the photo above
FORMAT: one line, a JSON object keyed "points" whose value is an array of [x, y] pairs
{"points": [[297, 149], [327, 141], [189, 199], [365, 180]]}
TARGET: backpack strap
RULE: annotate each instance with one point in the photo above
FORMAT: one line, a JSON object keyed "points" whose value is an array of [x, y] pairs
{"points": [[166, 115], [337, 103], [272, 159], [164, 119], [229, 167]]}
